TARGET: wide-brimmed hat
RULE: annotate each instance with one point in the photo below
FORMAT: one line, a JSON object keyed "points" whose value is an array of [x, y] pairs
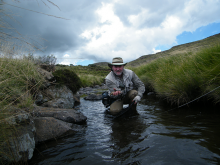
{"points": [[116, 61]]}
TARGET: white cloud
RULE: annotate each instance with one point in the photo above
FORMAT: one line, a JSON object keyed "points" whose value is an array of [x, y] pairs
{"points": [[66, 55], [156, 51], [106, 34], [101, 30], [130, 42]]}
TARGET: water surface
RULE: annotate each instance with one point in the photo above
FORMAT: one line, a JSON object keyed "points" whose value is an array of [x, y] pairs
{"points": [[152, 136]]}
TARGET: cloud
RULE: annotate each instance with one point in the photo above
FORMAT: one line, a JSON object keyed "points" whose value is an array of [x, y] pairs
{"points": [[100, 30]]}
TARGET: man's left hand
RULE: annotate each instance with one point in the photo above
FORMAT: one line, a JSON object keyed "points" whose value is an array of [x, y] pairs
{"points": [[137, 99], [116, 93]]}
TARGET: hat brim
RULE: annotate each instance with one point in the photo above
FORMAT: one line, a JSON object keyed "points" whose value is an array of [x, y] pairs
{"points": [[110, 65]]}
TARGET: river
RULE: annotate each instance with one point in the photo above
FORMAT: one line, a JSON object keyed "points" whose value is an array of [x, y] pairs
{"points": [[153, 136]]}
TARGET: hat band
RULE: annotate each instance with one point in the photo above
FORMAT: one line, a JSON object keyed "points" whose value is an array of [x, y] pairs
{"points": [[117, 62]]}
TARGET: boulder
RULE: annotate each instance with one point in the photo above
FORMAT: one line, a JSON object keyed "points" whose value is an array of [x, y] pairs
{"points": [[59, 97], [48, 128], [20, 145], [66, 115]]}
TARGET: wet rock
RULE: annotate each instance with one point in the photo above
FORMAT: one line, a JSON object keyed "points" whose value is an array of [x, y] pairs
{"points": [[48, 128], [67, 115], [70, 116]]}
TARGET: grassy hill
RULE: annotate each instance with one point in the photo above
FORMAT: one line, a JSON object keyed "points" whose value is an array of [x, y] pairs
{"points": [[192, 47], [102, 64]]}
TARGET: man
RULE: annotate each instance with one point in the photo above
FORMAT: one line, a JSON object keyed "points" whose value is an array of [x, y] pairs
{"points": [[124, 86]]}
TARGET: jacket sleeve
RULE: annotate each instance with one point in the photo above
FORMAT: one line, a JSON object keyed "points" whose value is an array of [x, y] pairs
{"points": [[138, 84], [111, 85]]}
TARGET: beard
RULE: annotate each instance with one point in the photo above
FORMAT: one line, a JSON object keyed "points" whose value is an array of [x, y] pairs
{"points": [[118, 73]]}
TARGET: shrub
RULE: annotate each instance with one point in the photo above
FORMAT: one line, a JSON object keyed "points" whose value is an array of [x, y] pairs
{"points": [[68, 78]]}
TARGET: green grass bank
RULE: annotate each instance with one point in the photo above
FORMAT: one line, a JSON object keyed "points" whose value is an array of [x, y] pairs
{"points": [[183, 77]]}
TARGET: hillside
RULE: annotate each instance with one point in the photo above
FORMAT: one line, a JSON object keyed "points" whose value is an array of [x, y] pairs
{"points": [[192, 47], [101, 64]]}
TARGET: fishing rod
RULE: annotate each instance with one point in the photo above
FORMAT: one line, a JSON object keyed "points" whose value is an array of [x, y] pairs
{"points": [[194, 99]]}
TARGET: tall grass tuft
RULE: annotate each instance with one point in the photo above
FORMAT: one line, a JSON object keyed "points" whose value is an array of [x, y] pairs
{"points": [[19, 80], [181, 78]]}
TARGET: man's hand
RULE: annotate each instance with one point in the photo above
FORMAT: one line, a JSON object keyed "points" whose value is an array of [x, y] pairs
{"points": [[137, 99], [116, 93]]}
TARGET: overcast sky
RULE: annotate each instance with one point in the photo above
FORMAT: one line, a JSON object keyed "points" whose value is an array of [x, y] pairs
{"points": [[96, 31]]}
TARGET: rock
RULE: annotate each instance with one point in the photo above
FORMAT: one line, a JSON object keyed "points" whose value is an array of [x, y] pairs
{"points": [[39, 99], [49, 68], [104, 86], [20, 144], [58, 103], [48, 128], [67, 115], [47, 75], [150, 93], [19, 119], [93, 97], [70, 116], [59, 96], [77, 98], [88, 88]]}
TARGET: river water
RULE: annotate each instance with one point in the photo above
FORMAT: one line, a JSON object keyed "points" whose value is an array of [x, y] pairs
{"points": [[154, 136]]}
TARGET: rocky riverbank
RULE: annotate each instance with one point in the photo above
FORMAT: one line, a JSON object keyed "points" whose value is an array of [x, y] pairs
{"points": [[53, 116]]}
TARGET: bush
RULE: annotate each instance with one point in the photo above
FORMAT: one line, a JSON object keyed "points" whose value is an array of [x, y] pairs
{"points": [[68, 78]]}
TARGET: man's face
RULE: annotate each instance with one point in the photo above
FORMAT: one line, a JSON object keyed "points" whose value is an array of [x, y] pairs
{"points": [[118, 69]]}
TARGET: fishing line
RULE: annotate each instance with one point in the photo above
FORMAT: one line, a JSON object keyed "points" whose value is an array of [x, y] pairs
{"points": [[195, 99]]}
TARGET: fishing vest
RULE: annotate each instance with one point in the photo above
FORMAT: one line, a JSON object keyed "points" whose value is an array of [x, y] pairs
{"points": [[127, 77]]}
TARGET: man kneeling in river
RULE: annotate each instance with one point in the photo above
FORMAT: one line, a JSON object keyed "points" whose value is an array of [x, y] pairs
{"points": [[124, 86]]}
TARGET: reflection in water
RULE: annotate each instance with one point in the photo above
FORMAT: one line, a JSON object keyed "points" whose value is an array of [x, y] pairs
{"points": [[153, 136], [126, 133], [198, 123]]}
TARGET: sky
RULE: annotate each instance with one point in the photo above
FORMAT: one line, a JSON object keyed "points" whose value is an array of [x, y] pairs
{"points": [[83, 32]]}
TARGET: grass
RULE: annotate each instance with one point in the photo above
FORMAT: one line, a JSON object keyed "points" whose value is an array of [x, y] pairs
{"points": [[89, 75], [183, 77], [19, 80]]}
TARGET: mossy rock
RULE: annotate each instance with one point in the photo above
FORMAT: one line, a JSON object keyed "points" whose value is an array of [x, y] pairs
{"points": [[68, 78]]}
